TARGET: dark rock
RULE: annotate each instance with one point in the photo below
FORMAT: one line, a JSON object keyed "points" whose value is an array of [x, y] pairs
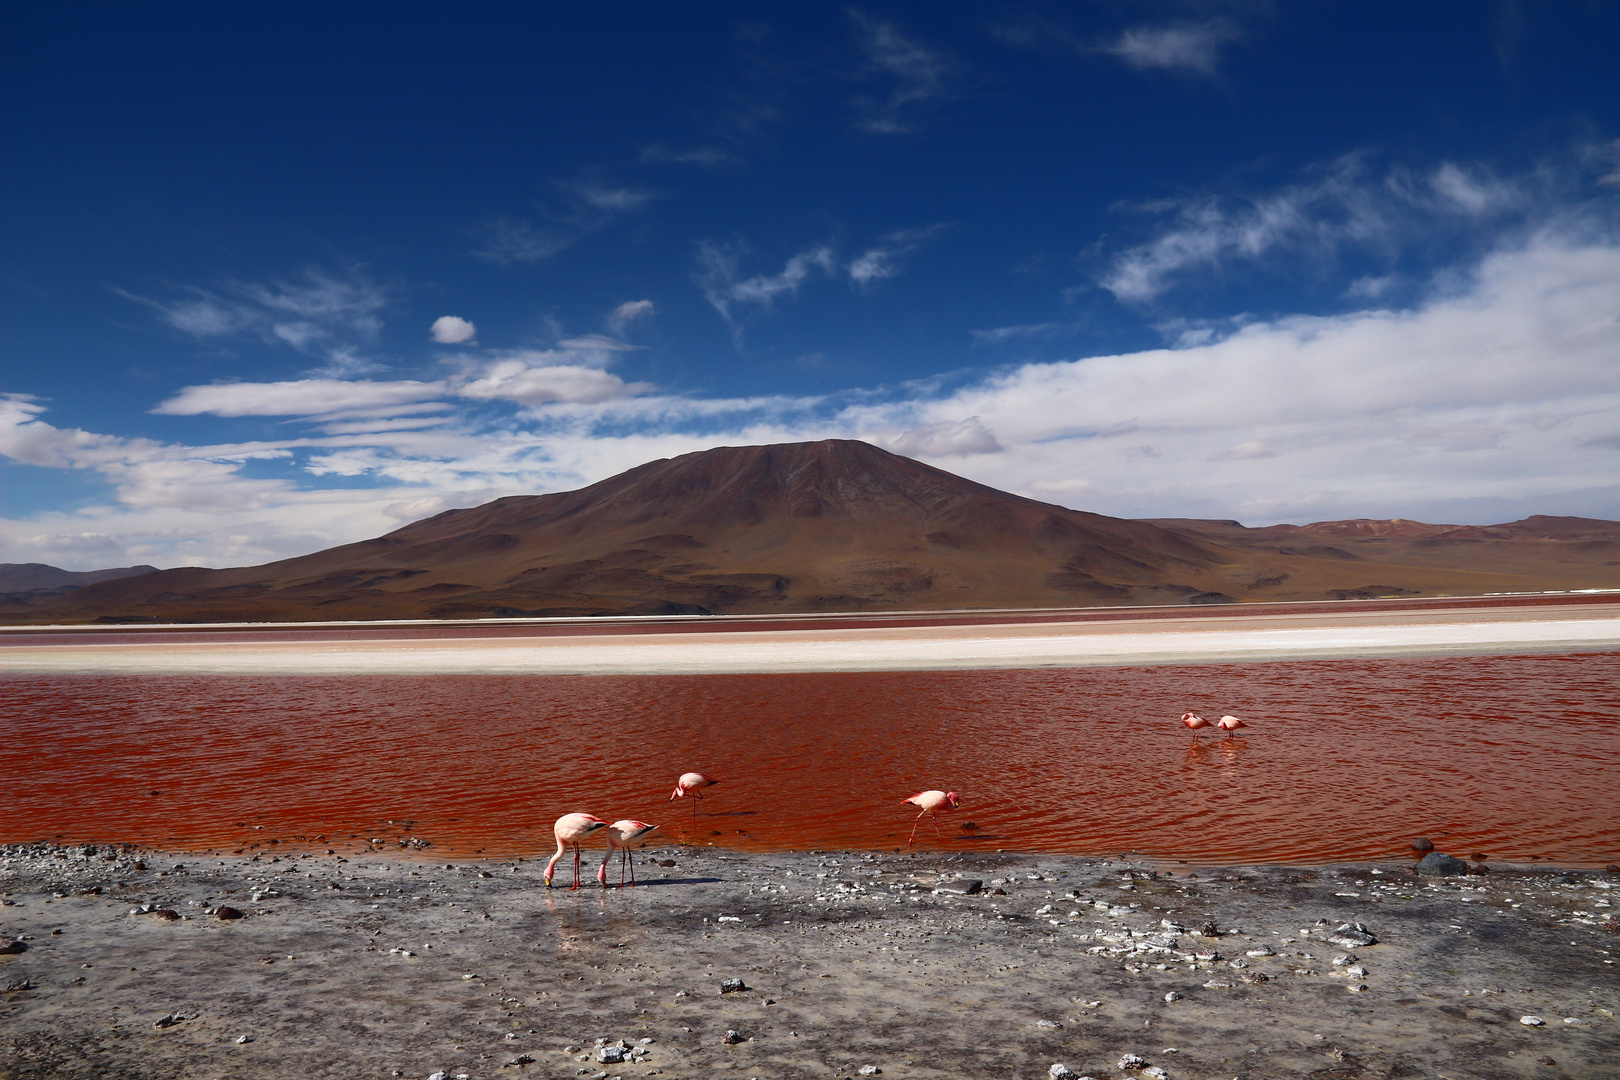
{"points": [[223, 912], [1422, 845], [521, 1059], [961, 886], [1479, 868], [1612, 869], [666, 863], [12, 945], [1209, 929], [1545, 1060], [166, 914], [1440, 864], [732, 986], [734, 1037], [171, 1019], [14, 986]]}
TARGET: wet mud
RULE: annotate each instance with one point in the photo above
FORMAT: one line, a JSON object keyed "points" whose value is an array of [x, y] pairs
{"points": [[373, 966]]}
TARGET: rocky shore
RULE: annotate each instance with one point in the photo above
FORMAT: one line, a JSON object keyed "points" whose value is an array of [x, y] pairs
{"points": [[120, 963]]}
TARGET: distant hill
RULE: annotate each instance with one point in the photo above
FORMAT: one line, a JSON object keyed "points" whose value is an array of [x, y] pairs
{"points": [[826, 526], [29, 584]]}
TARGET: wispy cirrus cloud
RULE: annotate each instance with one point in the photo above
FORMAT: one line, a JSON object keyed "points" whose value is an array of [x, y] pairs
{"points": [[1347, 206], [723, 285], [332, 316], [575, 209], [1193, 47], [886, 258], [913, 76]]}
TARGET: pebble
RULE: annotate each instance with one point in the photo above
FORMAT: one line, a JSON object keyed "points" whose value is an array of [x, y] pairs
{"points": [[1172, 996], [1060, 1071], [1051, 1025], [12, 945], [1341, 960], [1261, 950], [734, 1037], [612, 1055], [1131, 1063], [1352, 936], [243, 1040], [227, 913], [869, 1070], [732, 986], [1153, 1072], [1531, 1021]]}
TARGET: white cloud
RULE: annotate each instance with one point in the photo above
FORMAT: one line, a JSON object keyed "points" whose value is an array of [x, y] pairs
{"points": [[959, 438], [630, 311], [916, 75], [1494, 397], [300, 397], [1192, 47], [707, 157], [518, 381], [453, 330]]}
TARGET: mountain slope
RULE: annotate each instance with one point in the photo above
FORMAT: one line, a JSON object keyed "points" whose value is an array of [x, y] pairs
{"points": [[826, 526]]}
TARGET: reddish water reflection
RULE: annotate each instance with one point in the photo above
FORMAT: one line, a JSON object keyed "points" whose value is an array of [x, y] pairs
{"points": [[1514, 757]]}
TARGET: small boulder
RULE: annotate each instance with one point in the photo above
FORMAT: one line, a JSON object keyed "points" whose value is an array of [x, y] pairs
{"points": [[12, 945], [1131, 1063], [732, 986], [960, 887], [734, 1037], [1440, 864], [223, 912], [1060, 1071]]}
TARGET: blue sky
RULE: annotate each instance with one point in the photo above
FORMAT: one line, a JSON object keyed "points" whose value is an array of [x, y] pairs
{"points": [[283, 276]]}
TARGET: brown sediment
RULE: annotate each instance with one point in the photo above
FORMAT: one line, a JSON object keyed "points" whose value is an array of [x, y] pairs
{"points": [[375, 967]]}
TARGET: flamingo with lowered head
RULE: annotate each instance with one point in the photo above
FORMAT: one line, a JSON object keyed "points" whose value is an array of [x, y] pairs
{"points": [[570, 830], [1194, 722], [621, 836], [689, 784], [1229, 724], [932, 802]]}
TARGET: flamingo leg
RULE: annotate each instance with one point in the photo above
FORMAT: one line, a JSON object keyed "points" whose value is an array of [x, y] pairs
{"points": [[935, 818], [914, 825], [631, 859], [575, 885]]}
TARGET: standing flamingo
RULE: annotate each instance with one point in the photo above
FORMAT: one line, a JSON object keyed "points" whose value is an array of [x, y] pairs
{"points": [[621, 835], [1194, 721], [570, 829], [688, 784], [1229, 724], [932, 802]]}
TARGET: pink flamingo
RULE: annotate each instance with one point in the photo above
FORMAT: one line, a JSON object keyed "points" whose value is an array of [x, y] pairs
{"points": [[621, 835], [688, 784], [1229, 724], [570, 829], [932, 802], [1194, 721]]}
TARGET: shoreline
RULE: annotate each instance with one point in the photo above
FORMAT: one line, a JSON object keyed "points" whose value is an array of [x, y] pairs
{"points": [[955, 644], [378, 966]]}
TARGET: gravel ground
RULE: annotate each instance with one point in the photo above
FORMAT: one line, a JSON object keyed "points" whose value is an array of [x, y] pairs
{"points": [[377, 966]]}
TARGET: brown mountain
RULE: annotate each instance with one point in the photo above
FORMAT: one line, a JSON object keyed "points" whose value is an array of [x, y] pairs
{"points": [[825, 526]]}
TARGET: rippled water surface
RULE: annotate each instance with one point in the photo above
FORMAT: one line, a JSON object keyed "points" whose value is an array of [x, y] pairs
{"points": [[1516, 758]]}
